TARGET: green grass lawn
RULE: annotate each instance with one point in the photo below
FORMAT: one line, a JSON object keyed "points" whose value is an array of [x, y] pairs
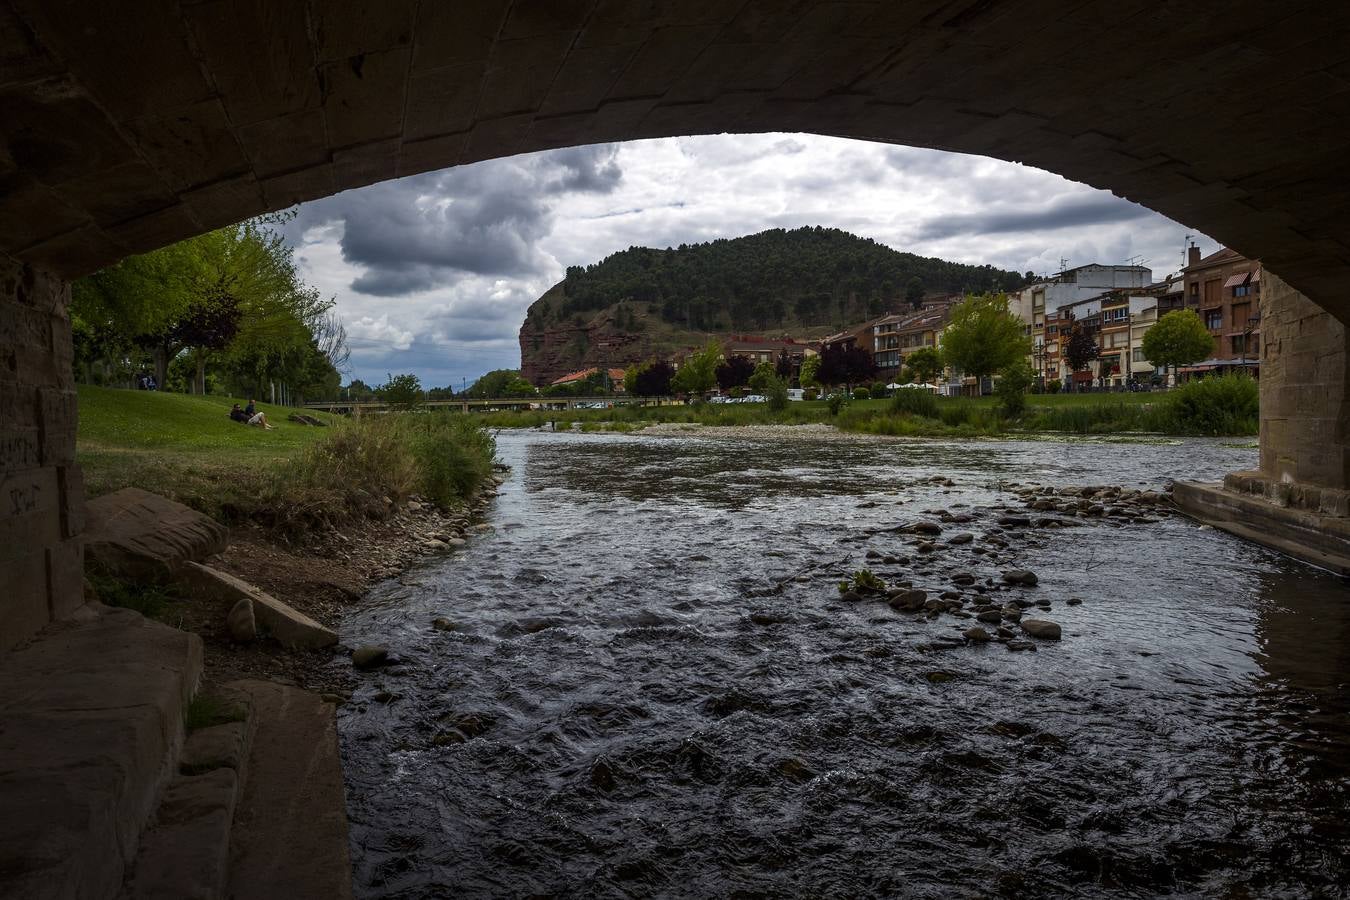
{"points": [[180, 444]]}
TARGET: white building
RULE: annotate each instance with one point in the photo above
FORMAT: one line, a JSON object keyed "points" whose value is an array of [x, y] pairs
{"points": [[1035, 301]]}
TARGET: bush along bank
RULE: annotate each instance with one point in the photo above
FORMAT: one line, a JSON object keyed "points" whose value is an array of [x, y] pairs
{"points": [[373, 464], [1224, 406]]}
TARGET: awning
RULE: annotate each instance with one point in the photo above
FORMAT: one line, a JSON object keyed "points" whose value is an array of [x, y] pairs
{"points": [[1237, 280]]}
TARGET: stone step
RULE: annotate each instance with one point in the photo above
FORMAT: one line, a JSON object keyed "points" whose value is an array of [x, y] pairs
{"points": [[185, 854], [91, 725], [290, 827]]}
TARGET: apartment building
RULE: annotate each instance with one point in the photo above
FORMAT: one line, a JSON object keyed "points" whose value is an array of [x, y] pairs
{"points": [[1225, 289], [895, 337]]}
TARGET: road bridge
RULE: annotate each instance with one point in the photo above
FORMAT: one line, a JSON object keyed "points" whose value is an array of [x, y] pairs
{"points": [[127, 126], [358, 407]]}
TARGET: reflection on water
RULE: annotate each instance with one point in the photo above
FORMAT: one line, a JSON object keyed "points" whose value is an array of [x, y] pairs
{"points": [[653, 687]]}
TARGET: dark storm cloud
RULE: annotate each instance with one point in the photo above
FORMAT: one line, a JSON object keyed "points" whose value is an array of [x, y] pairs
{"points": [[1075, 212], [487, 219]]}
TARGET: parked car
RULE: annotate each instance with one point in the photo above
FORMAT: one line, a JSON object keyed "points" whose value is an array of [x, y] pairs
{"points": [[796, 394], [920, 387], [754, 398]]}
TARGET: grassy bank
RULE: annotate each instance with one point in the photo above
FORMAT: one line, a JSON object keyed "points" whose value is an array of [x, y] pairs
{"points": [[291, 476], [1217, 406]]}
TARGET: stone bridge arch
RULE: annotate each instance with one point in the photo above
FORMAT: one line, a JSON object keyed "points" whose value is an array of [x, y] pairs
{"points": [[126, 128]]}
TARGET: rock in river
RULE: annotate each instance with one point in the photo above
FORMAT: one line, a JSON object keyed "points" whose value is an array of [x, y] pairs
{"points": [[369, 656], [1020, 576], [976, 635], [240, 622], [1041, 628]]}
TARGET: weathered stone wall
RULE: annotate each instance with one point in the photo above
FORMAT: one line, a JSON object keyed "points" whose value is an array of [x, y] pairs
{"points": [[1305, 401], [41, 492]]}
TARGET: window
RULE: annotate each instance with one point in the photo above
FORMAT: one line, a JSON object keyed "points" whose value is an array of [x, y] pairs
{"points": [[1244, 344], [1242, 290], [1213, 319], [1139, 355]]}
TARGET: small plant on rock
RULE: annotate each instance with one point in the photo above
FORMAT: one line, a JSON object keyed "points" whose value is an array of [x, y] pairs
{"points": [[863, 582]]}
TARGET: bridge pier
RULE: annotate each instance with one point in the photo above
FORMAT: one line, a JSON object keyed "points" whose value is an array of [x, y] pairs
{"points": [[1298, 501], [41, 490]]}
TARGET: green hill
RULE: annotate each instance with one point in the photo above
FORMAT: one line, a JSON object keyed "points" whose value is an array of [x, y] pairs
{"points": [[804, 282]]}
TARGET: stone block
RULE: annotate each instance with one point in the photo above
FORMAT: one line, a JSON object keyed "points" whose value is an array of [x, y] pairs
{"points": [[288, 626], [193, 146], [20, 448], [442, 101], [70, 486], [285, 143], [226, 201], [138, 534], [346, 28], [93, 715], [24, 609], [57, 410], [365, 97], [187, 852], [30, 514], [65, 579]]}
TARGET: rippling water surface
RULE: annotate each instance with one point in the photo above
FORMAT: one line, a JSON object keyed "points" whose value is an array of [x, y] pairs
{"points": [[654, 688]]}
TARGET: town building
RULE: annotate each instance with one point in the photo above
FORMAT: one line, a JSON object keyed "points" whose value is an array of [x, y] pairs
{"points": [[1225, 288], [1039, 303], [768, 350], [896, 336]]}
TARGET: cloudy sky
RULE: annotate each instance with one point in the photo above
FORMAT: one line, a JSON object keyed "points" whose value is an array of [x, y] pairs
{"points": [[433, 273]]}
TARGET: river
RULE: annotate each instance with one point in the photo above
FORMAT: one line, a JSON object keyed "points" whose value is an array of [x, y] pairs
{"points": [[653, 687]]}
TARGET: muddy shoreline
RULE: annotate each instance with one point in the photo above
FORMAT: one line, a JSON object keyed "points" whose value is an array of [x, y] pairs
{"points": [[321, 575]]}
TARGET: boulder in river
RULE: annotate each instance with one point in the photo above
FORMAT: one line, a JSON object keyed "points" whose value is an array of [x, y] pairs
{"points": [[992, 616], [1021, 645], [1014, 521], [1023, 577], [964, 537], [369, 656], [976, 635], [1041, 628], [441, 623]]}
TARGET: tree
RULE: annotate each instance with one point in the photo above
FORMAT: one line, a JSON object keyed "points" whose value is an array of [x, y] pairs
{"points": [[925, 364], [1012, 387], [914, 292], [783, 367], [763, 378], [984, 336], [808, 375], [734, 372], [500, 383], [401, 392], [653, 380], [1178, 339], [698, 374], [1080, 349], [845, 364]]}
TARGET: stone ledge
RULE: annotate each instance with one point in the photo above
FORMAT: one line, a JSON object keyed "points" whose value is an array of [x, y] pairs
{"points": [[1311, 537], [1290, 494], [91, 722]]}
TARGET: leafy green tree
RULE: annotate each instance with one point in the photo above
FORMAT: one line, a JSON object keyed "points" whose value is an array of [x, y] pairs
{"points": [[846, 365], [698, 374], [807, 377], [401, 392], [763, 378], [1178, 339], [500, 383], [1011, 388], [777, 393], [984, 336], [925, 364]]}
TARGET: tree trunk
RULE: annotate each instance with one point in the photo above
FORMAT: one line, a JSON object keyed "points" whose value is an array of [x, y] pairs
{"points": [[200, 385], [161, 359]]}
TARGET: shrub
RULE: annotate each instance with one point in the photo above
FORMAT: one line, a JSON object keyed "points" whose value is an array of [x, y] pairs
{"points": [[955, 414], [914, 401], [879, 389], [811, 394], [862, 581], [777, 392], [836, 402], [1053, 385], [861, 393], [1229, 404], [1011, 389]]}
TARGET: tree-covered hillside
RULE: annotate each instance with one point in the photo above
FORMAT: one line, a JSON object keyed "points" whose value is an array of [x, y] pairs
{"points": [[775, 279]]}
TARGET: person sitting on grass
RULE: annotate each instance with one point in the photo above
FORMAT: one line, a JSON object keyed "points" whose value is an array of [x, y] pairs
{"points": [[237, 414], [255, 417]]}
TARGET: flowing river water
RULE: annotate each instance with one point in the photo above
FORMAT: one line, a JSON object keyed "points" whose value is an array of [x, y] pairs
{"points": [[653, 687]]}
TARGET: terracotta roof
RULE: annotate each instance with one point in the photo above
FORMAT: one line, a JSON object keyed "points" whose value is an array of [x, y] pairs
{"points": [[614, 374]]}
